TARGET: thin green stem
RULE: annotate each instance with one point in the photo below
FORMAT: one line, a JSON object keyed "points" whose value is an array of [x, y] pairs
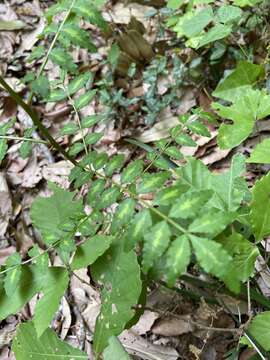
{"points": [[44, 63], [8, 137], [37, 122]]}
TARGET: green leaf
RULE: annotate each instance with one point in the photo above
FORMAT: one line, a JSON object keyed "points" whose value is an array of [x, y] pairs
{"points": [[26, 147], [90, 13], [49, 214], [239, 81], [63, 59], [119, 273], [78, 36], [27, 345], [132, 171], [247, 2], [115, 163], [168, 195], [69, 129], [109, 197], [260, 208], [84, 100], [260, 329], [174, 4], [261, 153], [95, 190], [87, 253], [155, 243], [47, 306], [244, 255], [229, 187], [211, 222], [173, 152], [211, 255], [13, 276], [194, 25], [3, 149], [151, 182], [124, 213], [195, 175], [76, 149], [190, 203], [141, 223], [246, 109], [113, 55], [198, 128], [185, 140], [91, 120], [217, 32], [177, 258], [115, 350], [31, 282], [228, 13], [93, 138], [41, 86]]}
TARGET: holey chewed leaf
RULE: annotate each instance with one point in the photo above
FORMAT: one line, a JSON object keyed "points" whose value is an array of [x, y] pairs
{"points": [[211, 255], [27, 345], [260, 208], [177, 258], [49, 214], [119, 273], [155, 243]]}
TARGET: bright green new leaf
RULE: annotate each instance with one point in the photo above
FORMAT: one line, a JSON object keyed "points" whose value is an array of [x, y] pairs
{"points": [[63, 59], [260, 208], [119, 273], [151, 182], [177, 259], [175, 4], [239, 81], [247, 2], [212, 222], [261, 153], [132, 171], [156, 241], [190, 203], [211, 255], [84, 99], [49, 214], [46, 307], [27, 345], [87, 253], [260, 329], [13, 275], [115, 350]]}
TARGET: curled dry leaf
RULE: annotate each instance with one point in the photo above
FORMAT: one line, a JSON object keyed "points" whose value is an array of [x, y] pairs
{"points": [[172, 326]]}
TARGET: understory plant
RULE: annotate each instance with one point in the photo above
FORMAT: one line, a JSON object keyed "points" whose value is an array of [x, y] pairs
{"points": [[141, 220]]}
